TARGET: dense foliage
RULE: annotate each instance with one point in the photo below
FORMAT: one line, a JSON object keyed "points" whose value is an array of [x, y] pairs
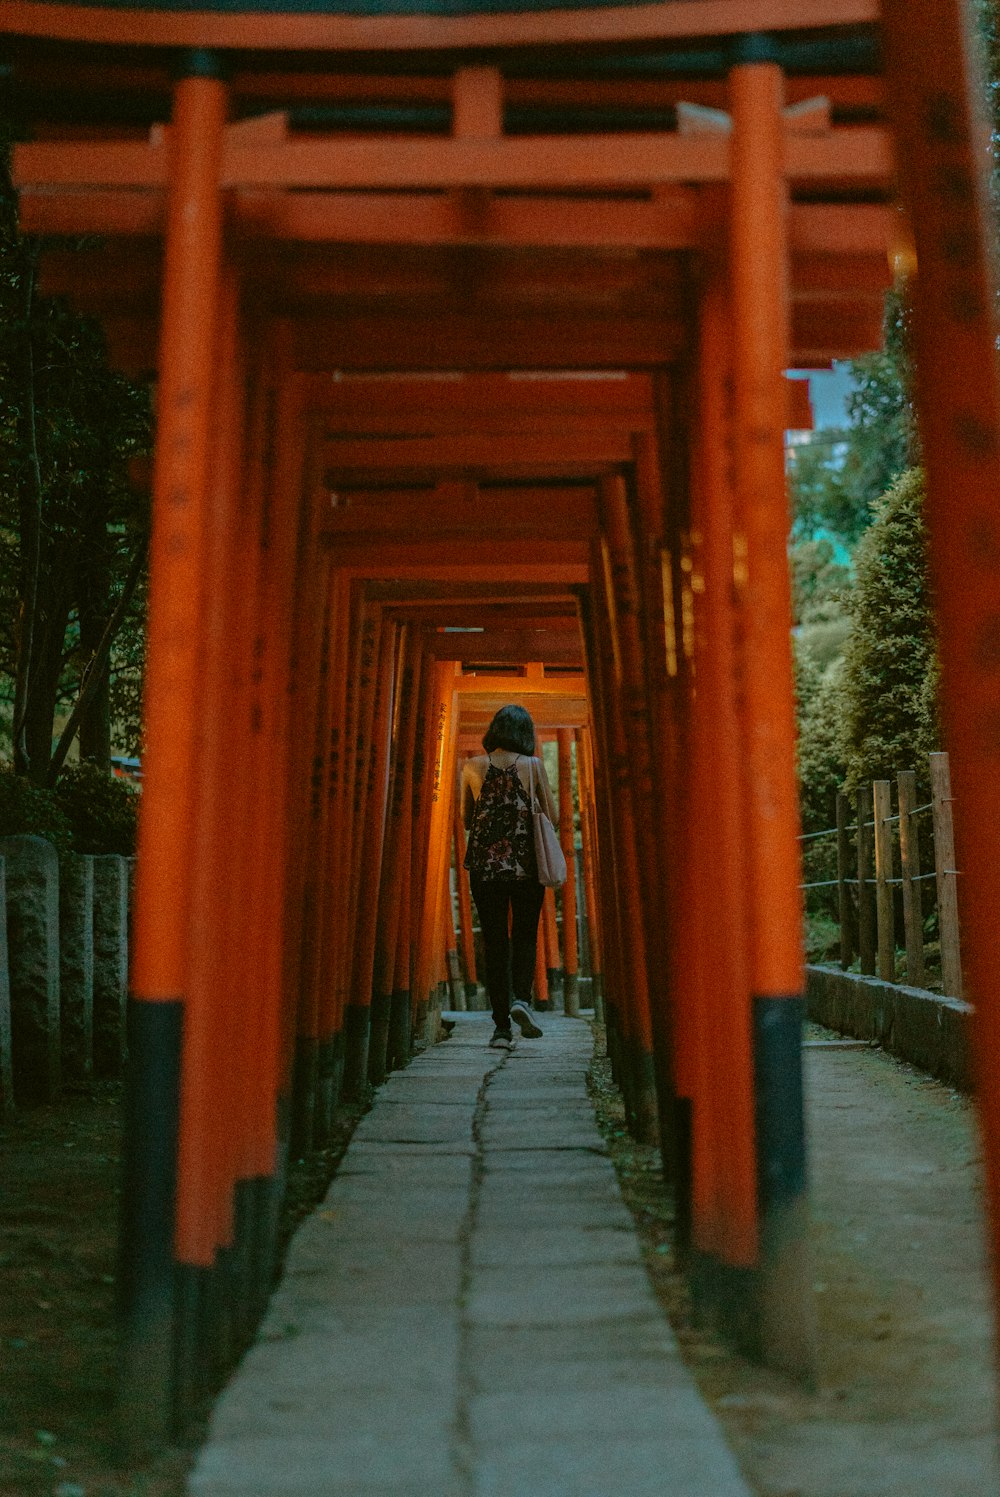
{"points": [[72, 529], [102, 812], [889, 685], [27, 809], [87, 812]]}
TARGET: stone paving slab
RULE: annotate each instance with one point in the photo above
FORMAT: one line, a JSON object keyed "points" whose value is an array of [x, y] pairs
{"points": [[466, 1314]]}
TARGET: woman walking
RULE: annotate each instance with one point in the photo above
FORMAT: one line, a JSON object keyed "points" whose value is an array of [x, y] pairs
{"points": [[498, 793]]}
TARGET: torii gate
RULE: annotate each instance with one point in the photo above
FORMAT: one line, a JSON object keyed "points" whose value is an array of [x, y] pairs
{"points": [[694, 192]]}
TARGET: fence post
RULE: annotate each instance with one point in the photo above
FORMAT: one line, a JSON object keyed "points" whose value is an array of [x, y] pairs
{"points": [[866, 893], [844, 911], [909, 861], [884, 914], [947, 878]]}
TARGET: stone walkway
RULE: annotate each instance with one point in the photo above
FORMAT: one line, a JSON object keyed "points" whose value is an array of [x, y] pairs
{"points": [[467, 1314]]}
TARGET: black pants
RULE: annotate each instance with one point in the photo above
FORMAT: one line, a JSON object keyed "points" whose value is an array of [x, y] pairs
{"points": [[510, 959]]}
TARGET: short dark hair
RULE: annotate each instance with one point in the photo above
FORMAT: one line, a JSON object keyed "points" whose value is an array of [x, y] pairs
{"points": [[511, 729]]}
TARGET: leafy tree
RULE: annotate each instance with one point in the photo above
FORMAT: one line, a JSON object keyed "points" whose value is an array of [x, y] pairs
{"points": [[838, 478], [819, 582], [72, 531], [888, 705]]}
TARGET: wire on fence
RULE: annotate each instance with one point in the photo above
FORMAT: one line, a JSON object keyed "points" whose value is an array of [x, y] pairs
{"points": [[827, 883], [853, 826]]}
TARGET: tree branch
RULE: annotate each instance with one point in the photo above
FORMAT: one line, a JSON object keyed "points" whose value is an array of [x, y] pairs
{"points": [[95, 670], [31, 534]]}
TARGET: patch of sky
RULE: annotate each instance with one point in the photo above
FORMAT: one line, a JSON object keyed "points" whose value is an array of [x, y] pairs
{"points": [[828, 392]]}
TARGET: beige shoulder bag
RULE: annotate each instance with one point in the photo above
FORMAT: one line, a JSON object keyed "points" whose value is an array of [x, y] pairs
{"points": [[548, 853]]}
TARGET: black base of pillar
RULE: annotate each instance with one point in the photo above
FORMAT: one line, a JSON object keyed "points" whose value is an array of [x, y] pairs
{"points": [[641, 1103], [147, 1274], [189, 1380], [678, 1148], [330, 1082], [786, 1307], [419, 1039], [400, 1030], [305, 1082], [378, 1038], [727, 1298], [357, 1027]]}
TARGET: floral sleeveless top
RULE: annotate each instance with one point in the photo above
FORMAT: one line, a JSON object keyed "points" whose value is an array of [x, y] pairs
{"points": [[501, 841]]}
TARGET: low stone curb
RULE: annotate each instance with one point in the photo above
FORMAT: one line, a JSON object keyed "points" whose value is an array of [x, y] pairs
{"points": [[929, 1031]]}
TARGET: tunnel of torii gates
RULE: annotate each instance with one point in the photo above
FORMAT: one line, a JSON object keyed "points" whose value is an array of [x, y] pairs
{"points": [[478, 321]]}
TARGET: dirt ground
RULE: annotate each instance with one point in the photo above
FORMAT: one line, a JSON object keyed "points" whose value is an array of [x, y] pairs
{"points": [[905, 1404], [59, 1168]]}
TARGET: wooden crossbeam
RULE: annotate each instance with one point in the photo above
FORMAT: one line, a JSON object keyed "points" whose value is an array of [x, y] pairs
{"points": [[552, 647], [678, 221], [580, 451], [466, 560], [855, 155], [465, 401], [248, 32], [513, 517], [525, 617]]}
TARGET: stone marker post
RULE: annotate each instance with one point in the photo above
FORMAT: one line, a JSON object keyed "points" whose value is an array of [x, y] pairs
{"points": [[33, 955], [76, 966], [110, 962]]}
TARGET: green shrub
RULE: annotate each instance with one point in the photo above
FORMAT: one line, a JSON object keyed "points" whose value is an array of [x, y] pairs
{"points": [[27, 809], [888, 713], [102, 811]]}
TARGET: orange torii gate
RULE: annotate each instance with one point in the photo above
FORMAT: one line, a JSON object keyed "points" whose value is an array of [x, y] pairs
{"points": [[691, 194]]}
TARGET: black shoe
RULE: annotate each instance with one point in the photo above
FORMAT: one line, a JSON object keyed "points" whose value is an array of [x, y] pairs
{"points": [[521, 1014], [502, 1040]]}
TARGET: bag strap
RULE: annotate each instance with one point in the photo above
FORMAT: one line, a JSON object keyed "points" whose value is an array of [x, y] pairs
{"points": [[535, 803]]}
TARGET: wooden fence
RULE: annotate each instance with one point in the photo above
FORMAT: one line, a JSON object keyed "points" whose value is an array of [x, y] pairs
{"points": [[872, 842]]}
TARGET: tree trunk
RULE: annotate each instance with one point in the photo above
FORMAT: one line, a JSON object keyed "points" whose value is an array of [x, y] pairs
{"points": [[93, 593], [30, 518], [52, 619]]}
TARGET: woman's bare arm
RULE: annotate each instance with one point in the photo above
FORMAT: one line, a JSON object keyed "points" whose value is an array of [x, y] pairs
{"points": [[468, 795]]}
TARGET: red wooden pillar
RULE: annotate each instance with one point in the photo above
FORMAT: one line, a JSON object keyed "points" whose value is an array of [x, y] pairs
{"points": [[439, 775], [937, 95], [631, 1031], [370, 863], [395, 851], [211, 1121], [335, 929], [724, 1197], [571, 966], [400, 1018], [588, 838], [550, 929], [159, 978], [634, 770], [759, 269], [307, 889], [279, 498], [467, 943], [261, 1019]]}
